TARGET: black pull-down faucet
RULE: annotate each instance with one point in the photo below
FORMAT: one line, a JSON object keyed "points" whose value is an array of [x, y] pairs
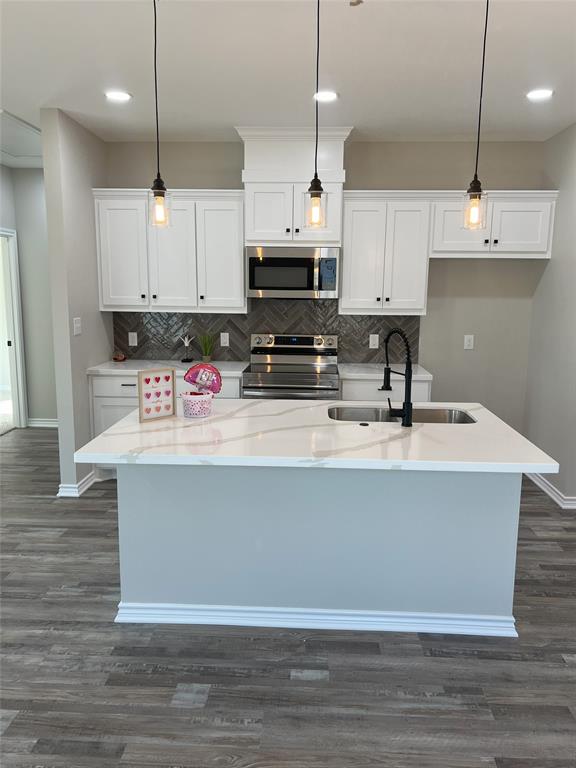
{"points": [[406, 411]]}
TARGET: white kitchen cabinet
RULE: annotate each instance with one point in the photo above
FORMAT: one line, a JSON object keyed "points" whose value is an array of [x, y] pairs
{"points": [[518, 225], [108, 410], [276, 213], [194, 265], [385, 256], [123, 251], [173, 282], [368, 390], [220, 251]]}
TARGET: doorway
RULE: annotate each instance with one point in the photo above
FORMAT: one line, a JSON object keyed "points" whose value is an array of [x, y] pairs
{"points": [[13, 410]]}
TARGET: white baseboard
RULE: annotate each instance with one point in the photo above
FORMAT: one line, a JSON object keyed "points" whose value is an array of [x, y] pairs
{"points": [[75, 490], [313, 618], [565, 502], [51, 423]]}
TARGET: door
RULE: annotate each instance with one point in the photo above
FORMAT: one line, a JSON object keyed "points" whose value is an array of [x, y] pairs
{"points": [[449, 235], [13, 406], [122, 251], [109, 410], [363, 255], [173, 259], [220, 254], [406, 256], [520, 227], [331, 201], [268, 212]]}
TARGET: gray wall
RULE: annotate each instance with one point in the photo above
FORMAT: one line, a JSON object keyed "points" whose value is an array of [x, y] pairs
{"points": [[551, 393], [74, 162], [22, 208]]}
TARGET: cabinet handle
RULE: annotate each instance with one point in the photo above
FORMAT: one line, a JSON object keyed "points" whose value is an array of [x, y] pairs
{"points": [[486, 241], [387, 298], [127, 385], [496, 241], [287, 230], [154, 296], [379, 298], [297, 231], [142, 295]]}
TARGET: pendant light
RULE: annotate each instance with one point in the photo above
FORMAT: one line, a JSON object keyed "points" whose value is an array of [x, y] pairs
{"points": [[159, 208], [475, 199], [315, 213]]}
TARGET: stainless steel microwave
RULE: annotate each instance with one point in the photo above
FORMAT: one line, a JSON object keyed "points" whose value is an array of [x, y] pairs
{"points": [[286, 272]]}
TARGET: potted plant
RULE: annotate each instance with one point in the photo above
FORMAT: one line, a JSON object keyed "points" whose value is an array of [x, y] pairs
{"points": [[207, 344]]}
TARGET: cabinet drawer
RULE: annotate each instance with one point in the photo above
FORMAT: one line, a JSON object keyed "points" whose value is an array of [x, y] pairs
{"points": [[115, 386]]}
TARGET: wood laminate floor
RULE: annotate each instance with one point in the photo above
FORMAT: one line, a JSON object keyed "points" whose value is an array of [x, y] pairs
{"points": [[80, 691]]}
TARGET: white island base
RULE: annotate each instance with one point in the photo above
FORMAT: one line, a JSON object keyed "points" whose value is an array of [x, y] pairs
{"points": [[330, 549], [270, 513]]}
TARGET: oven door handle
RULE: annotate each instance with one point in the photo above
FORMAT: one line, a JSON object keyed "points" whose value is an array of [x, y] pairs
{"points": [[292, 394]]}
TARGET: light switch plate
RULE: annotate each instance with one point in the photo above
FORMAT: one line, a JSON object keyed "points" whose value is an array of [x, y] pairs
{"points": [[77, 326], [132, 339], [374, 341], [224, 339], [469, 341]]}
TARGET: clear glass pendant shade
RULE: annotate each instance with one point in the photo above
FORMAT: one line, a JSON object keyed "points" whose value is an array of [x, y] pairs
{"points": [[474, 211], [315, 211], [159, 210]]}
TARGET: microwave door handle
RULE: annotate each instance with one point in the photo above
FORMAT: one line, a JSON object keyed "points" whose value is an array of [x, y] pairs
{"points": [[316, 276]]}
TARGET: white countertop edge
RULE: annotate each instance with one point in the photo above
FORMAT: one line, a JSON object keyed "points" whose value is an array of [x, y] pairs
{"points": [[307, 463]]}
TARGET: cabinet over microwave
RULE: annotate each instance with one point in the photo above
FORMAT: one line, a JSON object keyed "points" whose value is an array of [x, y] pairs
{"points": [[286, 272]]}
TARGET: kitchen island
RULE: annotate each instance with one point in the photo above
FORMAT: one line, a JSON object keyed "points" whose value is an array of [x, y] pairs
{"points": [[272, 513]]}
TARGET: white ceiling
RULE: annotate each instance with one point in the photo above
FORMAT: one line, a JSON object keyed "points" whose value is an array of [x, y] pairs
{"points": [[404, 69], [20, 145]]}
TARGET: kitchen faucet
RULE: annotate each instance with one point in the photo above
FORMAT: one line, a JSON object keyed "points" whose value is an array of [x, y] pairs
{"points": [[406, 411]]}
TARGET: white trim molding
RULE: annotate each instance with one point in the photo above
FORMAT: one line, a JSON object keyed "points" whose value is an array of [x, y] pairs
{"points": [[316, 618], [564, 502], [75, 490], [48, 423]]}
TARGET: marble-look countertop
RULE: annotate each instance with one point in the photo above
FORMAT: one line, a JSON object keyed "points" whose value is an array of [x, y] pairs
{"points": [[288, 433], [233, 369]]}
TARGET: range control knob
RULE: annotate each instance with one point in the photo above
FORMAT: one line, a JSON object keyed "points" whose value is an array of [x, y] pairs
{"points": [[258, 340], [270, 340], [330, 341], [318, 341]]}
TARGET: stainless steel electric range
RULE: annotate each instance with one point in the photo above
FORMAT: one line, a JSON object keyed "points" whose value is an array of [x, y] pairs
{"points": [[292, 367]]}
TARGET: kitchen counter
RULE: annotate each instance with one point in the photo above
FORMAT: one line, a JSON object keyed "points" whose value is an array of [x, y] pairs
{"points": [[285, 433], [227, 368], [246, 518]]}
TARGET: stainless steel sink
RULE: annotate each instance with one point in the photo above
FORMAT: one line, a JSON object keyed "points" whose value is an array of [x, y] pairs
{"points": [[419, 415]]}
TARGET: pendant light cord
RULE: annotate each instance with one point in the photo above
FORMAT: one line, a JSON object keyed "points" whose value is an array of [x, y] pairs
{"points": [[156, 92], [481, 90], [317, 84]]}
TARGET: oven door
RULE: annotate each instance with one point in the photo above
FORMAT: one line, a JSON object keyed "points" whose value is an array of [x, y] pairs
{"points": [[292, 273]]}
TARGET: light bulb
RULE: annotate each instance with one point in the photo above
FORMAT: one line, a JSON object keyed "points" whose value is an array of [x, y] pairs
{"points": [[159, 211], [315, 212], [474, 212]]}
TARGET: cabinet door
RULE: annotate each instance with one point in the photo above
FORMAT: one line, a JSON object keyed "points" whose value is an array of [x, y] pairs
{"points": [[363, 255], [331, 200], [108, 410], [122, 252], [268, 212], [406, 256], [220, 254], [449, 234], [520, 227], [173, 259]]}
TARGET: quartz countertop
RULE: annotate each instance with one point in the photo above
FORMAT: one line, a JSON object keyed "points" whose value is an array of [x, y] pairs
{"points": [[287, 433]]}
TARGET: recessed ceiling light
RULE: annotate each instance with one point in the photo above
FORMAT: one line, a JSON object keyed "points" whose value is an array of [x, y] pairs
{"points": [[119, 97], [326, 96], [540, 94]]}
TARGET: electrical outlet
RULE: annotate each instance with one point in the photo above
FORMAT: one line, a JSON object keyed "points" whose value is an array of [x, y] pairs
{"points": [[77, 326], [224, 339], [469, 341], [132, 339], [374, 341]]}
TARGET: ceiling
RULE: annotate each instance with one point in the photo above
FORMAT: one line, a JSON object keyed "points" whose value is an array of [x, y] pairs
{"points": [[404, 69], [20, 145]]}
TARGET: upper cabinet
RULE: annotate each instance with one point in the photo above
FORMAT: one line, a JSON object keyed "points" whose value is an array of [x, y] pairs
{"points": [[195, 265], [276, 213], [518, 225], [385, 255]]}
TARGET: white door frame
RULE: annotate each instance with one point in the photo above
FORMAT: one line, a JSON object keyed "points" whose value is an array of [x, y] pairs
{"points": [[14, 320]]}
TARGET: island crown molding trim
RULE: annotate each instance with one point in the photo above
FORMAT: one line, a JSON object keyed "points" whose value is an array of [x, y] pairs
{"points": [[315, 618], [564, 502]]}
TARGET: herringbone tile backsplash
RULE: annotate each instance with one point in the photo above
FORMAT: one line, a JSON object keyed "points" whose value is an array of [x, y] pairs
{"points": [[158, 333]]}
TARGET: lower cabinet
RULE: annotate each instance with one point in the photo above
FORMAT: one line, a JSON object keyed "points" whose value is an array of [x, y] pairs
{"points": [[369, 389]]}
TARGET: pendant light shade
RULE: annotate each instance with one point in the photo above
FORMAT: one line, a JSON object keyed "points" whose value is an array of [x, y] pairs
{"points": [[159, 214], [315, 207], [474, 209]]}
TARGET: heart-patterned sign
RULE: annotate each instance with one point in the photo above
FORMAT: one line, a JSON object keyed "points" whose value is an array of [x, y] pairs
{"points": [[157, 379], [147, 380], [166, 378], [156, 393], [148, 410], [147, 395], [158, 408], [167, 392]]}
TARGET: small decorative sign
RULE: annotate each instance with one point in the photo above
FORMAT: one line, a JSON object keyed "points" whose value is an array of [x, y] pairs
{"points": [[156, 395]]}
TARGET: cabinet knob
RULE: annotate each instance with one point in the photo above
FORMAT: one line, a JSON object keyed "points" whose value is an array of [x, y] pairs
{"points": [[496, 241], [142, 295], [297, 231], [287, 230], [379, 298], [387, 298], [486, 241], [154, 296], [202, 298]]}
